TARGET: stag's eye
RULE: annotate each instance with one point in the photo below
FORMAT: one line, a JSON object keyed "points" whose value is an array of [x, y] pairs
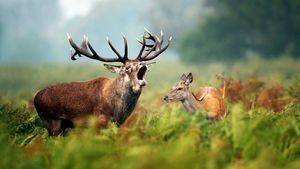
{"points": [[179, 88]]}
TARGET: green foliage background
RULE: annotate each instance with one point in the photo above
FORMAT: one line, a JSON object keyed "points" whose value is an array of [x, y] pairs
{"points": [[236, 29]]}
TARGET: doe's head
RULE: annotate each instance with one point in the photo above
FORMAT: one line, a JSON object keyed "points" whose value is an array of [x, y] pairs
{"points": [[180, 90]]}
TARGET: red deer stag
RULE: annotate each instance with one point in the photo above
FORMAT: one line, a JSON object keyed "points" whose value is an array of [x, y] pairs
{"points": [[208, 98], [107, 99]]}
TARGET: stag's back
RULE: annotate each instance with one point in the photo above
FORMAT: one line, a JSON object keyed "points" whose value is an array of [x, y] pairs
{"points": [[69, 100]]}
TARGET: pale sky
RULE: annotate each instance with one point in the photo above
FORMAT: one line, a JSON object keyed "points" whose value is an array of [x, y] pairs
{"points": [[72, 8]]}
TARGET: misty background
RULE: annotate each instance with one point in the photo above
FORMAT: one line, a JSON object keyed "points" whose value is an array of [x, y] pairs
{"points": [[34, 31]]}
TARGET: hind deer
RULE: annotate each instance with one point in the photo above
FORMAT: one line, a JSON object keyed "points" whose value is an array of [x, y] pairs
{"points": [[208, 98], [107, 99]]}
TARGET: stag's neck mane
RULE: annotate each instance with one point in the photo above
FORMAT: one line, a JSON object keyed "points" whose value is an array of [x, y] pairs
{"points": [[190, 102], [120, 87], [122, 98]]}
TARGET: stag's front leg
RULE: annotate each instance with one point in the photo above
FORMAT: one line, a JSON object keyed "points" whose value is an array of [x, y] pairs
{"points": [[131, 119], [53, 127], [102, 121]]}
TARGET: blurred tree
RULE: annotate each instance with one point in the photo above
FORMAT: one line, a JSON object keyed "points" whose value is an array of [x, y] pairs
{"points": [[175, 16], [235, 28]]}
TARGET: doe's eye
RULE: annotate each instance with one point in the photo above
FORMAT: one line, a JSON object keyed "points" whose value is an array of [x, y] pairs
{"points": [[127, 68]]}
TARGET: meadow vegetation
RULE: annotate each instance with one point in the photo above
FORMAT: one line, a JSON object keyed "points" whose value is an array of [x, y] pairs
{"points": [[259, 131]]}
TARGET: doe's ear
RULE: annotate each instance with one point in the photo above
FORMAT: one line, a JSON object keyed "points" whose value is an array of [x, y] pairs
{"points": [[189, 79], [113, 68], [183, 77]]}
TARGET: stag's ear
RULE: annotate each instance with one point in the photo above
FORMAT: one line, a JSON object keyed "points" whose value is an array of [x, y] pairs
{"points": [[149, 65], [189, 79], [113, 68]]}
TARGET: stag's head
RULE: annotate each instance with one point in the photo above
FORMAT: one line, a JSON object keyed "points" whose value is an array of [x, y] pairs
{"points": [[180, 90], [131, 70]]}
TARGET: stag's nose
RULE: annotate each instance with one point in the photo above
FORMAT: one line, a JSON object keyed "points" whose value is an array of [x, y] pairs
{"points": [[166, 98]]}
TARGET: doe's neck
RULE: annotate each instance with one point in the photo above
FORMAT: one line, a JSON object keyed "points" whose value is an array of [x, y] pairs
{"points": [[190, 103]]}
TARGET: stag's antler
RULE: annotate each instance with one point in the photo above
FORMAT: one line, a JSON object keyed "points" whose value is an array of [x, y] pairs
{"points": [[151, 51], [147, 51], [87, 50]]}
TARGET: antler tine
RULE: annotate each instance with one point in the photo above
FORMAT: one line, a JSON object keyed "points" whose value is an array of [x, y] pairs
{"points": [[155, 38], [149, 46], [113, 48], [142, 48], [73, 54], [157, 52], [79, 50], [151, 36], [150, 50], [141, 56], [85, 49], [155, 49], [162, 36], [125, 57]]}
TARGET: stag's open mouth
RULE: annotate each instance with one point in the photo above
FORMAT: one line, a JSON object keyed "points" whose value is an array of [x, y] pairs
{"points": [[141, 75]]}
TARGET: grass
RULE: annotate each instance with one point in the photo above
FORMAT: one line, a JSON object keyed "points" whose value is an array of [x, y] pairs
{"points": [[164, 135]]}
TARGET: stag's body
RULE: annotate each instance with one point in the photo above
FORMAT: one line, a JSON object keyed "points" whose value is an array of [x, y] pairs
{"points": [[107, 99], [111, 98], [207, 98]]}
